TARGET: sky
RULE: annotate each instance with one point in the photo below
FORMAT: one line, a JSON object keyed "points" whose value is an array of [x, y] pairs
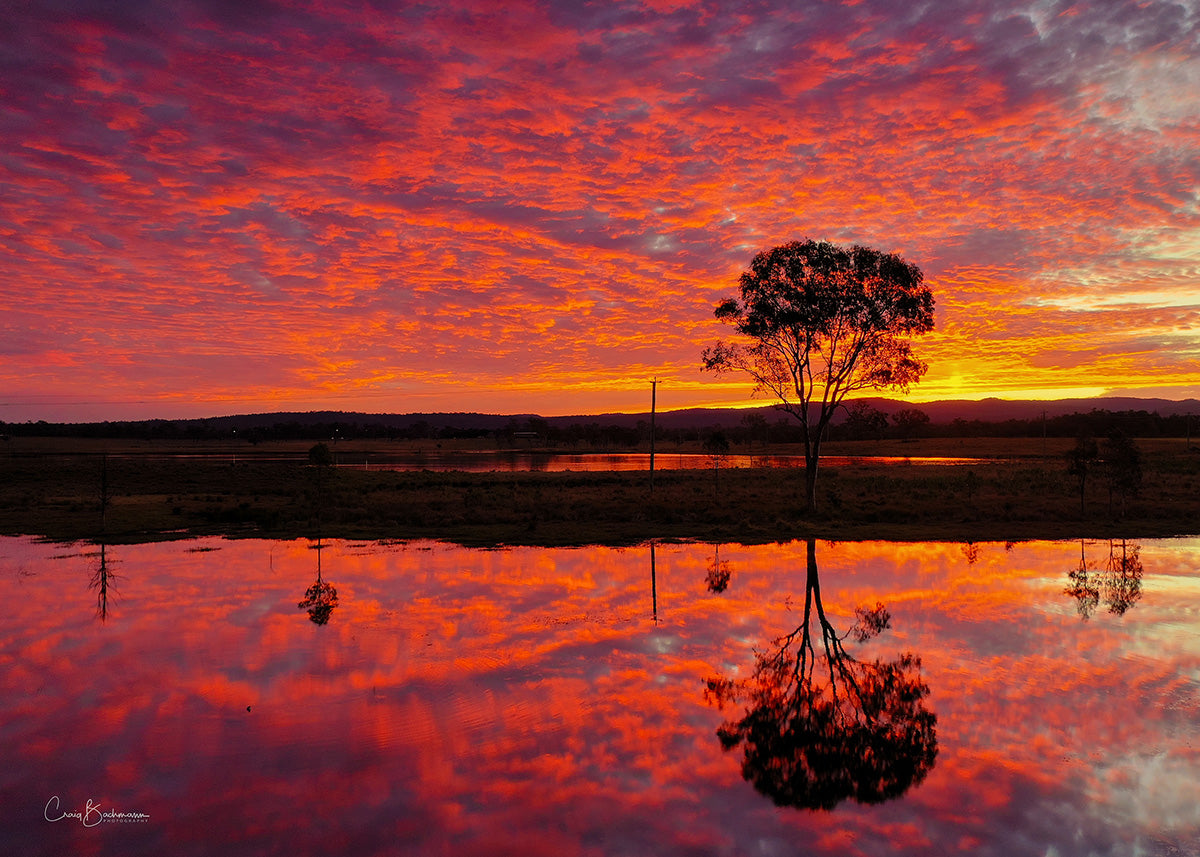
{"points": [[219, 207]]}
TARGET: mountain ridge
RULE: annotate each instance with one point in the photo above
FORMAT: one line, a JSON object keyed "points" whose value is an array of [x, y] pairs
{"points": [[940, 412]]}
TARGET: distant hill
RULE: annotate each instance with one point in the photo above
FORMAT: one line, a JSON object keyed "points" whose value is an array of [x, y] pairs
{"points": [[467, 421], [997, 410], [295, 423], [940, 413]]}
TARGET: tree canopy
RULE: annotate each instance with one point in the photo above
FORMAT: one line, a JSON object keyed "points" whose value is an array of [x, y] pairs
{"points": [[817, 322]]}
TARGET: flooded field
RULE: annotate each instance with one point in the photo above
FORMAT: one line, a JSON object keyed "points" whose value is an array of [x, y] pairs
{"points": [[420, 698], [525, 461], [484, 462]]}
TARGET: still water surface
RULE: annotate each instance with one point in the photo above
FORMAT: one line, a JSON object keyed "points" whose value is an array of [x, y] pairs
{"points": [[267, 698], [525, 461], [558, 462]]}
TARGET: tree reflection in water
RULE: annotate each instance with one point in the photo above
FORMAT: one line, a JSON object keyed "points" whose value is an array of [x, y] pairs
{"points": [[819, 725], [1119, 583], [102, 580], [321, 597], [718, 575]]}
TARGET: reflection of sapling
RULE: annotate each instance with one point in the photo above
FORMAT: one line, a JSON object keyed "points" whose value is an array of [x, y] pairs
{"points": [[319, 601], [718, 575], [103, 579], [1120, 581], [321, 597], [812, 737]]}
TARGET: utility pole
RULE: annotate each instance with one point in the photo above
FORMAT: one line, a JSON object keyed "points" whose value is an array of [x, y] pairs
{"points": [[653, 406]]}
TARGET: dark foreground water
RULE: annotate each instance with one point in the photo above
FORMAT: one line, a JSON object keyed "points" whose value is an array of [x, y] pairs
{"points": [[253, 697]]}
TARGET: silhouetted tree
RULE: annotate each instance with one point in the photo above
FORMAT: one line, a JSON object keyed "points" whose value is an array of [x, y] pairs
{"points": [[819, 322], [1081, 460], [971, 482], [864, 421], [820, 726], [104, 495], [1122, 467], [321, 459], [756, 424], [717, 447], [910, 421]]}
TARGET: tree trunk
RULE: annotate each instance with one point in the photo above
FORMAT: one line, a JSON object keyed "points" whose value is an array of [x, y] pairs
{"points": [[810, 479]]}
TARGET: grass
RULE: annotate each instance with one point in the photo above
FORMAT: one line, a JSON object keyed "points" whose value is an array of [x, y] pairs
{"points": [[52, 491]]}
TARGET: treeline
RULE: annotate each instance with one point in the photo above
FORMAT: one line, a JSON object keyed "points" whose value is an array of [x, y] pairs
{"points": [[863, 422], [858, 422], [208, 430], [1095, 423]]}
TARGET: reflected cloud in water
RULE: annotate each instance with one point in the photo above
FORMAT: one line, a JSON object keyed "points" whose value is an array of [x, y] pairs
{"points": [[545, 701]]}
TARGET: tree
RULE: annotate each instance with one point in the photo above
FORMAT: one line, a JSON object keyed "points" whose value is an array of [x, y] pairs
{"points": [[717, 447], [1122, 467], [820, 726], [756, 424], [1081, 460], [864, 422], [818, 322], [910, 421], [321, 460]]}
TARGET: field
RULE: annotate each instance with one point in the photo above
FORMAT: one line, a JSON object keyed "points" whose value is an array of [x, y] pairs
{"points": [[141, 491]]}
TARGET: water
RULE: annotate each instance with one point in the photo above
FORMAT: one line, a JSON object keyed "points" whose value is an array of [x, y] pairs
{"points": [[524, 461], [558, 462], [429, 699]]}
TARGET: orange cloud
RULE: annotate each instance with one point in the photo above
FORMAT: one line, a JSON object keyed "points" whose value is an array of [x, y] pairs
{"points": [[343, 208]]}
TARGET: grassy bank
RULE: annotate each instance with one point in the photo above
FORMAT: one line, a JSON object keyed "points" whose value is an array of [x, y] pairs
{"points": [[1027, 496]]}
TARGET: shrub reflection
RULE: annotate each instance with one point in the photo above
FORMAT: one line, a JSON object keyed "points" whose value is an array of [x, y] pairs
{"points": [[1118, 583], [820, 726], [102, 580], [321, 597]]}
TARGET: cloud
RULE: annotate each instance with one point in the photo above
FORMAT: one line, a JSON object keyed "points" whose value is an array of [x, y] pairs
{"points": [[322, 172]]}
